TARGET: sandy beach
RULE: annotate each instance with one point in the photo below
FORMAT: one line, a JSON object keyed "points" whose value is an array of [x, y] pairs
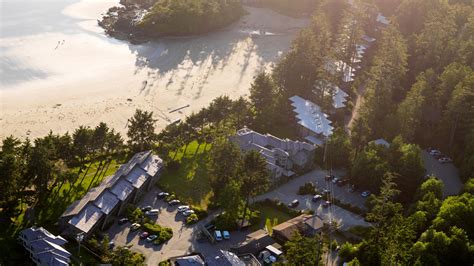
{"points": [[60, 79]]}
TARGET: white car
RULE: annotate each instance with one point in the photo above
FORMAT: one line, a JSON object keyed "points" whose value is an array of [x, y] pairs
{"points": [[365, 194], [152, 212], [445, 160], [435, 152], [188, 212], [183, 208]]}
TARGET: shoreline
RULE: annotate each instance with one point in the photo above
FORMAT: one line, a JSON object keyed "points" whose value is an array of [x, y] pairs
{"points": [[93, 78]]}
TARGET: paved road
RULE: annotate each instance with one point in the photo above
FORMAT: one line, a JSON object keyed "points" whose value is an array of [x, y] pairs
{"points": [[288, 192], [448, 173], [184, 239]]}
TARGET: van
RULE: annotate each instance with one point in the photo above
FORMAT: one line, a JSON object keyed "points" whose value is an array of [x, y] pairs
{"points": [[218, 235]]}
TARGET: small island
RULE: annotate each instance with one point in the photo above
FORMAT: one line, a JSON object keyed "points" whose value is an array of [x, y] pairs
{"points": [[141, 20]]}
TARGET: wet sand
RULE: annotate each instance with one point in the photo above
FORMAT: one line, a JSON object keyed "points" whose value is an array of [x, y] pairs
{"points": [[89, 77]]}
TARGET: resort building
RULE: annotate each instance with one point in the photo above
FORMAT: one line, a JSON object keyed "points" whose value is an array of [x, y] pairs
{"points": [[283, 156], [44, 247], [100, 204], [314, 125], [339, 97]]}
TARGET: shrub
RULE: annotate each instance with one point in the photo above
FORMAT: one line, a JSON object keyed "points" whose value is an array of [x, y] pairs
{"points": [[200, 212], [334, 244], [192, 219], [164, 263], [307, 189], [153, 229], [347, 252], [134, 214], [165, 235]]}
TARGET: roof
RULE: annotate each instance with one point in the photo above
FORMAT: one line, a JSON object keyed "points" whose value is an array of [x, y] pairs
{"points": [[224, 258], [42, 245], [106, 202], [249, 260], [78, 205], [338, 96], [311, 117], [255, 242], [315, 222], [137, 176], [274, 250], [35, 233], [51, 258], [191, 260], [122, 189], [368, 39], [288, 228], [87, 218]]}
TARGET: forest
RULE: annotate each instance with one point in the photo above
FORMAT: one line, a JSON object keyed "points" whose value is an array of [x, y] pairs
{"points": [[416, 88], [182, 17]]}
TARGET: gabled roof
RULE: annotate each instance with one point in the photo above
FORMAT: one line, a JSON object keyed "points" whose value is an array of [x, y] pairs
{"points": [[106, 202], [311, 117], [122, 189], [87, 218], [137, 177], [41, 245], [35, 233]]}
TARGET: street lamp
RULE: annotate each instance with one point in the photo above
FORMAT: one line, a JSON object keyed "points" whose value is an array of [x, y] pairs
{"points": [[79, 239]]}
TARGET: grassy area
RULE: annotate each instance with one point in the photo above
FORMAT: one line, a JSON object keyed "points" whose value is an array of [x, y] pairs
{"points": [[270, 213], [190, 182], [64, 194]]}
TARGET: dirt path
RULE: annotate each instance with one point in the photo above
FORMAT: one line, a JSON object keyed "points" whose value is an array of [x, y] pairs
{"points": [[356, 109]]}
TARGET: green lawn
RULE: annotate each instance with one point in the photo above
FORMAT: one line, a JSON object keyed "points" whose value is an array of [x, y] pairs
{"points": [[268, 212], [64, 194], [190, 182]]}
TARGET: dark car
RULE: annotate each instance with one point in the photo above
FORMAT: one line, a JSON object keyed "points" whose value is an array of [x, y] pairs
{"points": [[317, 198], [294, 203], [144, 235], [174, 202], [146, 208], [123, 221]]}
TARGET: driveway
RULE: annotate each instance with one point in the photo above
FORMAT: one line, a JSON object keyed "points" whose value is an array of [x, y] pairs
{"points": [[448, 173], [185, 238], [345, 218]]}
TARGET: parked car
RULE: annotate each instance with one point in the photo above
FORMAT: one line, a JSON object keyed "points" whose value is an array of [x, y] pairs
{"points": [[329, 177], [135, 227], [342, 182], [162, 195], [174, 202], [183, 208], [316, 198], [326, 203], [144, 235], [226, 235], [326, 192], [152, 212], [365, 194], [445, 160], [435, 152], [146, 208], [151, 238], [111, 245], [218, 235], [188, 212], [294, 203], [334, 180], [123, 221]]}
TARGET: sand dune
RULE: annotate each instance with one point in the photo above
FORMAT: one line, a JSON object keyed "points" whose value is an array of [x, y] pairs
{"points": [[89, 78]]}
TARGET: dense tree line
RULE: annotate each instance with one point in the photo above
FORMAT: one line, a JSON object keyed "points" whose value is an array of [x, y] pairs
{"points": [[184, 17]]}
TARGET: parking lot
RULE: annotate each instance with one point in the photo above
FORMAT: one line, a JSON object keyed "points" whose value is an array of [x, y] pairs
{"points": [[185, 238], [447, 172], [345, 218]]}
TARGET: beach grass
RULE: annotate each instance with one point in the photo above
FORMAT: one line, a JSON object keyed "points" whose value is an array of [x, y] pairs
{"points": [[190, 182]]}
